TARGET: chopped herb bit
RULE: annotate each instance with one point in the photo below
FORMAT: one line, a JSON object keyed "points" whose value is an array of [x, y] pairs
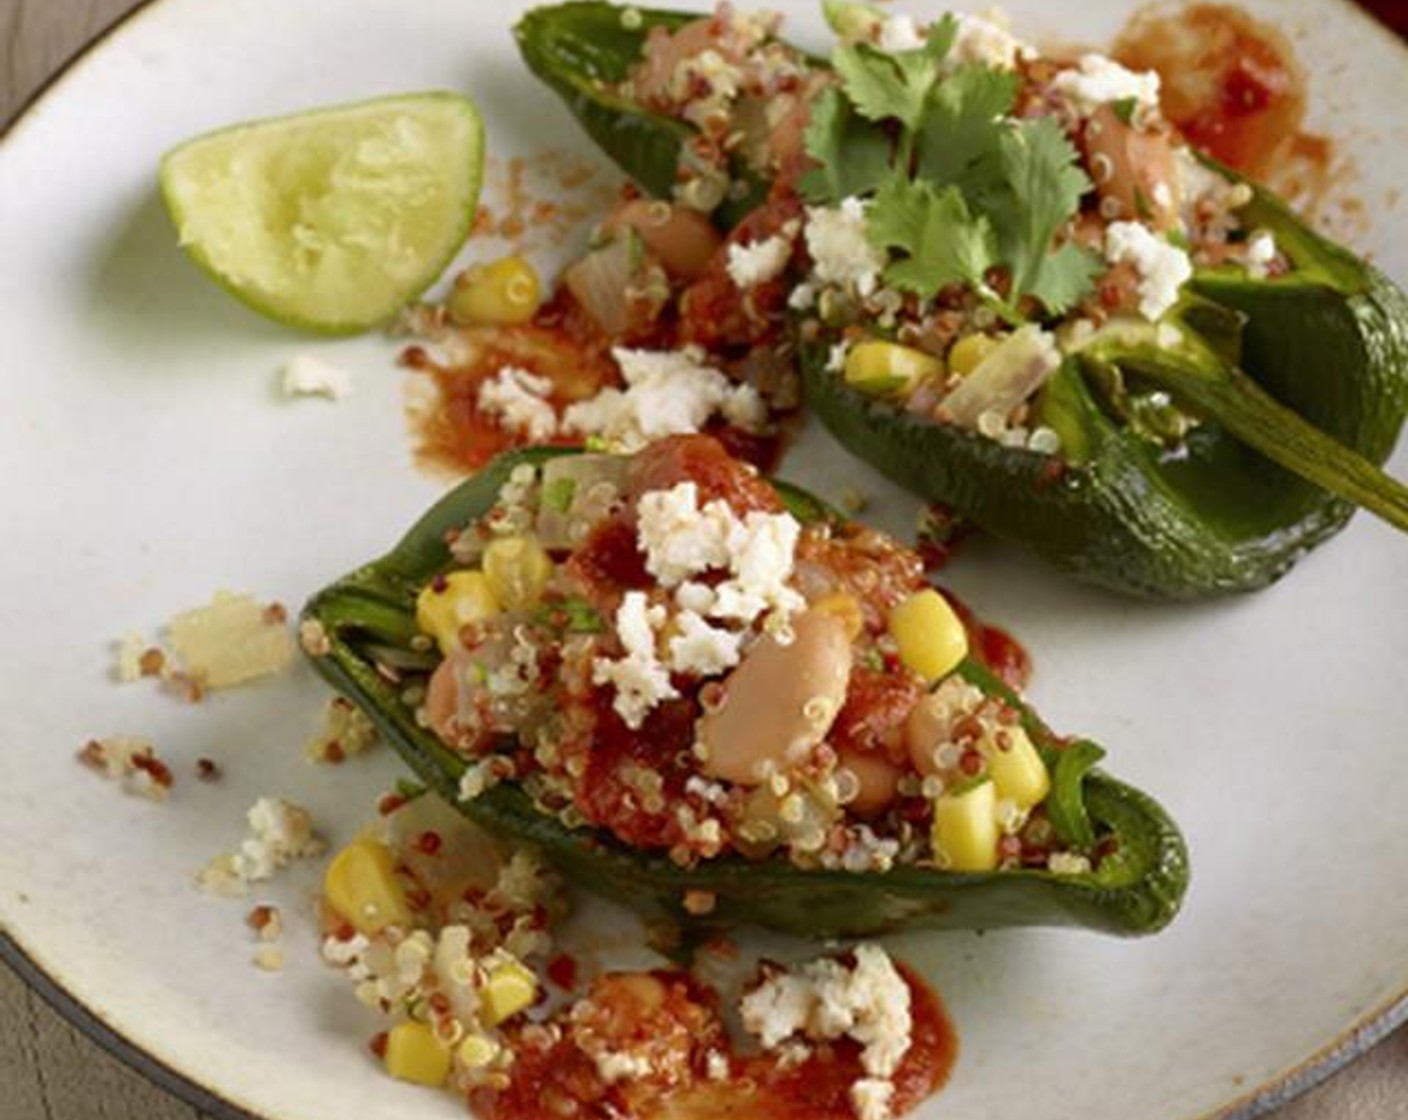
{"points": [[572, 616], [408, 790], [1124, 108], [558, 494]]}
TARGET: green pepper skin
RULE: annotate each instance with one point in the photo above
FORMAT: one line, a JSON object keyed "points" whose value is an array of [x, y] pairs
{"points": [[579, 49], [1330, 342], [1135, 891]]}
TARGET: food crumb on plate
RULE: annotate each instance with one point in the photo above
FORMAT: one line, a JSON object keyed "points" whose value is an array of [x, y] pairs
{"points": [[345, 732], [279, 833], [132, 761], [307, 376]]}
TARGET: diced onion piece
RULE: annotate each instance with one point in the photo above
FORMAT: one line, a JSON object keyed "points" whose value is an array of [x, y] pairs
{"points": [[232, 640], [600, 282], [1010, 374], [577, 491]]}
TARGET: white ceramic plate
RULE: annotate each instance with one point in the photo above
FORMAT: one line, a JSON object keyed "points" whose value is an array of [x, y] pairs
{"points": [[147, 460]]}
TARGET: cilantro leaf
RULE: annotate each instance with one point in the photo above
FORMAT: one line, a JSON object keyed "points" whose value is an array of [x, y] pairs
{"points": [[1066, 277], [896, 84], [959, 134], [853, 157], [1039, 192], [942, 241]]}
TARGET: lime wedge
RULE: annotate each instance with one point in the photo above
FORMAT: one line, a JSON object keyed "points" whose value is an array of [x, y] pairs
{"points": [[334, 219]]}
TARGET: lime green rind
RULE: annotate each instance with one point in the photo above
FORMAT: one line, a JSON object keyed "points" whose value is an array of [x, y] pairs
{"points": [[452, 123]]}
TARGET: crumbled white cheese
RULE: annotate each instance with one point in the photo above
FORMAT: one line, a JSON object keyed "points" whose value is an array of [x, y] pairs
{"points": [[679, 538], [519, 401], [762, 548], [841, 252], [1261, 251], [1099, 80], [668, 392], [985, 41], [307, 376], [1163, 267], [761, 261], [899, 33], [702, 649], [870, 1098], [802, 297], [824, 999], [280, 832], [836, 356], [641, 681]]}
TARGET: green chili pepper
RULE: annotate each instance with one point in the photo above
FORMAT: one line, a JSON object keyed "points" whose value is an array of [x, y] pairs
{"points": [[1135, 888], [1204, 467], [583, 50]]}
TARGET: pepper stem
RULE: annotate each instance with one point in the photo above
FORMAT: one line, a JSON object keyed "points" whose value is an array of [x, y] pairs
{"points": [[1227, 395]]}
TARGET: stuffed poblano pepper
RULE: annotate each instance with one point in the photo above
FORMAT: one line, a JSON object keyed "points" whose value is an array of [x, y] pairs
{"points": [[709, 697], [1013, 287]]}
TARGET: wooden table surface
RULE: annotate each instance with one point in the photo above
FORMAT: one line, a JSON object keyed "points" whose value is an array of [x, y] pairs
{"points": [[49, 1071]]}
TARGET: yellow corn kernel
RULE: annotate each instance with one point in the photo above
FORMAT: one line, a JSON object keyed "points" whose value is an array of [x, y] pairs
{"points": [[931, 637], [968, 352], [965, 832], [518, 570], [361, 886], [845, 607], [501, 293], [476, 1051], [886, 368], [452, 602], [509, 989], [1015, 766], [413, 1053]]}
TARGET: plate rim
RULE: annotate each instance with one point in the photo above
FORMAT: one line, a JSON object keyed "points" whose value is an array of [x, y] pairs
{"points": [[1350, 1044]]}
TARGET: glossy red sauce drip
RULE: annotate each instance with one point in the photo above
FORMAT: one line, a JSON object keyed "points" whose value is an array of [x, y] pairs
{"points": [[993, 647], [1233, 86]]}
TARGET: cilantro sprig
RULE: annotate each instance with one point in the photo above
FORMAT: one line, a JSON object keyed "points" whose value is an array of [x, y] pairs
{"points": [[961, 191]]}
